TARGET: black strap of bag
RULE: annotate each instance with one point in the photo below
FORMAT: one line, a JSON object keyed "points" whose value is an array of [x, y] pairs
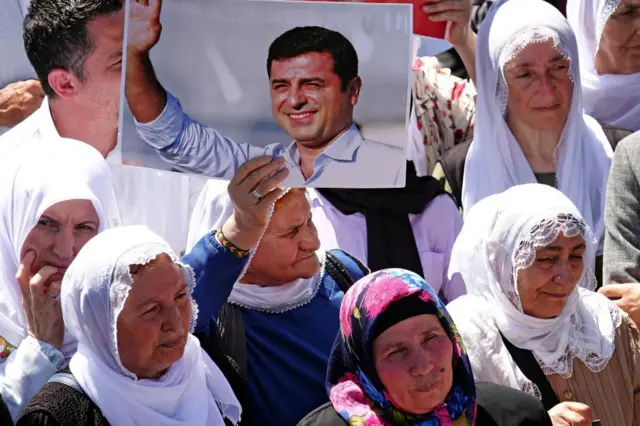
{"points": [[527, 363], [340, 273], [232, 337]]}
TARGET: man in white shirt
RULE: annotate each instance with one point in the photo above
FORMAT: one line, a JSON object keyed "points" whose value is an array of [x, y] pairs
{"points": [[76, 49], [314, 85], [20, 92]]}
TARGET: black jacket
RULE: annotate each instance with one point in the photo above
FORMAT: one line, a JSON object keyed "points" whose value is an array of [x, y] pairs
{"points": [[497, 406]]}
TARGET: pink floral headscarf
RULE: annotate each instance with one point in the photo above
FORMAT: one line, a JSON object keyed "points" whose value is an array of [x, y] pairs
{"points": [[354, 388]]}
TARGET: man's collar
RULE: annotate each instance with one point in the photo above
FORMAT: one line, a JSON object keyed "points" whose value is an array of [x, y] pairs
{"points": [[341, 149], [349, 142], [45, 119], [314, 197], [48, 130]]}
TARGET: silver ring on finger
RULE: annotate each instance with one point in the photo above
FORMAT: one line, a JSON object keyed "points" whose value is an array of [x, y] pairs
{"points": [[52, 295], [256, 194]]}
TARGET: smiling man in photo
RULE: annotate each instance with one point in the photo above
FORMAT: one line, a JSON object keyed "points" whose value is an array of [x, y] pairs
{"points": [[314, 86]]}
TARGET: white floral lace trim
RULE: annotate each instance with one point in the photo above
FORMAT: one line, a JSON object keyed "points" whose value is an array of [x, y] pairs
{"points": [[190, 278], [609, 7], [122, 281], [595, 362], [317, 281], [514, 47], [542, 235], [531, 388]]}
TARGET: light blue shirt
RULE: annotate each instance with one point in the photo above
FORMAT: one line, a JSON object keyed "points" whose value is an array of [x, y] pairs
{"points": [[349, 162]]}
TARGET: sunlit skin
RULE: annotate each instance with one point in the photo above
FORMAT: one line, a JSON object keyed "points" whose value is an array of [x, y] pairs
{"points": [[308, 102], [413, 359], [288, 248], [541, 295], [540, 89], [619, 48], [95, 95], [62, 230], [103, 68], [153, 326]]}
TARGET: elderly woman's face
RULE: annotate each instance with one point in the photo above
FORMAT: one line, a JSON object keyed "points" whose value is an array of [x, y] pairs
{"points": [[153, 326], [288, 249], [62, 230], [545, 285], [539, 87], [619, 49], [413, 359]]}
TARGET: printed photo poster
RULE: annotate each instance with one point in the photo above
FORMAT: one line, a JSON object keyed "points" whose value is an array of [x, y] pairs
{"points": [[208, 85]]}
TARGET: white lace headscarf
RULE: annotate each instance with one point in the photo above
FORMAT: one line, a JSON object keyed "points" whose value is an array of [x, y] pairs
{"points": [[495, 160], [612, 99], [498, 240], [30, 183], [192, 392]]}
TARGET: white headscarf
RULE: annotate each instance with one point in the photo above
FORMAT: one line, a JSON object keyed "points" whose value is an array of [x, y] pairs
{"points": [[612, 99], [30, 183], [95, 288], [495, 161], [498, 239], [213, 208]]}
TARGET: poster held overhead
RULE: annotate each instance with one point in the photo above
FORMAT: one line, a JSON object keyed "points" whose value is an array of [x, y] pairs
{"points": [[209, 85]]}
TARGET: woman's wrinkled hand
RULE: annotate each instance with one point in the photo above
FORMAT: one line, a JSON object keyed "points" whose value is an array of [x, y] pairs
{"points": [[571, 414], [40, 300], [457, 13], [253, 190]]}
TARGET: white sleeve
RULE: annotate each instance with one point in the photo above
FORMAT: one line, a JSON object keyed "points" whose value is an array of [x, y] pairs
{"points": [[26, 371]]}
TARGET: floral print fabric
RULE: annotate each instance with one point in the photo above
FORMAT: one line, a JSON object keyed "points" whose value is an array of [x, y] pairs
{"points": [[354, 388], [445, 107]]}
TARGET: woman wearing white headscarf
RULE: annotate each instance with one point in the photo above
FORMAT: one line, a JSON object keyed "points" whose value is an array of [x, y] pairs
{"points": [[127, 300], [531, 320], [530, 124], [608, 33], [54, 200]]}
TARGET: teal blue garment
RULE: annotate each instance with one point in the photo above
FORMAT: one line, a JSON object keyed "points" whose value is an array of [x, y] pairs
{"points": [[287, 356]]}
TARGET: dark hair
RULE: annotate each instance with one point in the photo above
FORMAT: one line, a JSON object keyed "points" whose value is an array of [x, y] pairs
{"points": [[301, 40], [55, 35]]}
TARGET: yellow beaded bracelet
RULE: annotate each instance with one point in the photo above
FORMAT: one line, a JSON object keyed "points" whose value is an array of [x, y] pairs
{"points": [[237, 252]]}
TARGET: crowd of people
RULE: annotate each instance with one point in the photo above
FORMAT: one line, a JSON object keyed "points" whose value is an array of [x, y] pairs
{"points": [[500, 286]]}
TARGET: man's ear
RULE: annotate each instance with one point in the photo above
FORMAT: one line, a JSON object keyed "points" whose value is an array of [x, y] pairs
{"points": [[63, 83], [354, 90]]}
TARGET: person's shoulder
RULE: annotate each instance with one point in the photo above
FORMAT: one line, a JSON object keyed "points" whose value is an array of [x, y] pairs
{"points": [[442, 206], [504, 406], [630, 145], [64, 405], [354, 266], [22, 132], [325, 415]]}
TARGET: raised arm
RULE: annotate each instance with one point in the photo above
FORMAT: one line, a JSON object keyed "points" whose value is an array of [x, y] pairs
{"points": [[220, 256], [161, 122], [18, 101], [458, 14], [145, 96]]}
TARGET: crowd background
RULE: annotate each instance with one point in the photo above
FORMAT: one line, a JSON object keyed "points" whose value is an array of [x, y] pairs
{"points": [[498, 287]]}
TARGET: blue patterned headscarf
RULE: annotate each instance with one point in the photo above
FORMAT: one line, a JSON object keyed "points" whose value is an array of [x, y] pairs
{"points": [[355, 390]]}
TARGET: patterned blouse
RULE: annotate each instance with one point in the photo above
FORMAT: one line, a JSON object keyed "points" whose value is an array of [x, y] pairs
{"points": [[445, 108]]}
